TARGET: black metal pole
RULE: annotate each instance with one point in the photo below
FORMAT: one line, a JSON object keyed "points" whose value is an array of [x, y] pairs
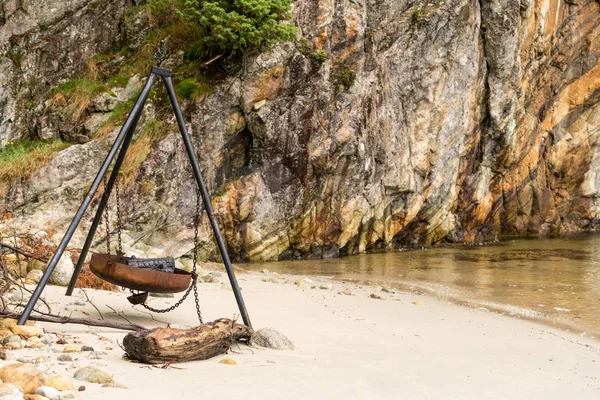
{"points": [[137, 108], [206, 199], [97, 218]]}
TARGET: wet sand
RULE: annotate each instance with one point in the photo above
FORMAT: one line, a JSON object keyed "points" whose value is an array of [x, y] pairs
{"points": [[403, 345]]}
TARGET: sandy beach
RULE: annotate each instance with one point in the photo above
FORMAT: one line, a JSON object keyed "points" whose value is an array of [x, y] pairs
{"points": [[347, 346]]}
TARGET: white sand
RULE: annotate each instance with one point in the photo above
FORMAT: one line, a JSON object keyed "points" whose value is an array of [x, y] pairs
{"points": [[350, 347]]}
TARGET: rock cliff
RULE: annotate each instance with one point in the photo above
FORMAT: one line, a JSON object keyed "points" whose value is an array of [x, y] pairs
{"points": [[426, 122]]}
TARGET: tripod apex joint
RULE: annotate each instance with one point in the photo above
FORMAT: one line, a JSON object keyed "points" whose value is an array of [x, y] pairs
{"points": [[160, 54], [121, 145]]}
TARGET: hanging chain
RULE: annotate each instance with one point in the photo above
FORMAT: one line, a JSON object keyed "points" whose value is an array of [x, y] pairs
{"points": [[120, 241], [194, 284], [106, 218]]}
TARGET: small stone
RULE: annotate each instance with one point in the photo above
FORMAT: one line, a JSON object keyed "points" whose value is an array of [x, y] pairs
{"points": [[104, 102], [327, 286], [8, 389], [81, 388], [94, 355], [347, 292], [13, 345], [105, 339], [375, 296], [3, 355], [70, 349], [93, 375], [65, 358], [304, 283], [114, 385], [272, 339], [41, 360], [87, 348], [27, 331], [49, 392], [26, 376], [60, 383], [34, 343], [216, 274], [208, 278], [258, 105], [12, 338], [416, 303], [228, 361], [65, 396], [26, 360], [265, 271], [35, 275]]}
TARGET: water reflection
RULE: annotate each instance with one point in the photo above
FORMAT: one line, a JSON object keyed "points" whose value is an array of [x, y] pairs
{"points": [[554, 280]]}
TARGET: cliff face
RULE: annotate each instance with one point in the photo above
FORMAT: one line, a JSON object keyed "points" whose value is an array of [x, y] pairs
{"points": [[43, 43], [428, 122]]}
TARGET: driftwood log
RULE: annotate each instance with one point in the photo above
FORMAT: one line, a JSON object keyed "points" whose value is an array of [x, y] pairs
{"points": [[162, 345]]}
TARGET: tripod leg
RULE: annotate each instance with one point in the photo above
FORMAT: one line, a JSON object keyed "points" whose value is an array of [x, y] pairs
{"points": [[111, 181], [137, 109], [206, 200]]}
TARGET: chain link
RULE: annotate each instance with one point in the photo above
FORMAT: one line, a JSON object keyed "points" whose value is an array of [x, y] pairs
{"points": [[120, 241], [194, 284], [106, 217]]}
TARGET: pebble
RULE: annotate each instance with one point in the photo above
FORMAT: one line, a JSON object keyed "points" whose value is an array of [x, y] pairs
{"points": [[41, 360], [27, 331], [327, 286], [13, 345], [3, 355], [347, 292], [264, 271], [60, 383], [70, 349], [93, 375], [94, 355], [375, 296], [228, 361], [105, 339], [26, 360], [272, 339], [87, 348], [49, 392], [12, 338], [114, 385], [26, 376], [216, 274]]}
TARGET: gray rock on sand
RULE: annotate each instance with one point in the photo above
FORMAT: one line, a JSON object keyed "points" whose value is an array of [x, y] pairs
{"points": [[271, 339], [49, 392], [93, 375]]}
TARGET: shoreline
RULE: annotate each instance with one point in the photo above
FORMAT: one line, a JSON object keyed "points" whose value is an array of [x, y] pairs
{"points": [[352, 345]]}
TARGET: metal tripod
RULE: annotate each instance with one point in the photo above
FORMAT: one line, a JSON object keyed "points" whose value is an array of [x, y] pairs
{"points": [[123, 140]]}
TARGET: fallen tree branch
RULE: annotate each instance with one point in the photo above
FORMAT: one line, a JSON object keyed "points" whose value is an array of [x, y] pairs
{"points": [[166, 345], [73, 320], [21, 252]]}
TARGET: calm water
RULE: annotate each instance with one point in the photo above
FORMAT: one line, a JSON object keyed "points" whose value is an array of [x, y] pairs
{"points": [[555, 281]]}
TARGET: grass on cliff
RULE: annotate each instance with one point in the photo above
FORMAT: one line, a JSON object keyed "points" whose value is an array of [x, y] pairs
{"points": [[75, 96], [139, 150], [21, 159]]}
